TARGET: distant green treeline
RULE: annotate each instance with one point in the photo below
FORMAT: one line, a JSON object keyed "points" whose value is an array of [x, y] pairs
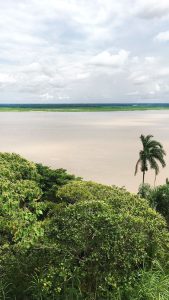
{"points": [[84, 107]]}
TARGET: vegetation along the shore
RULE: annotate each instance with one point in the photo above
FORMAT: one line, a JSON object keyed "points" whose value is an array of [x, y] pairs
{"points": [[97, 107], [65, 238]]}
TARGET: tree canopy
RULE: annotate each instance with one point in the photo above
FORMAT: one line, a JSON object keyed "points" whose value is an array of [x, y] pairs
{"points": [[64, 238]]}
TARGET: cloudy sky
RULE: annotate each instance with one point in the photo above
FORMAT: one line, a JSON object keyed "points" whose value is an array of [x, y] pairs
{"points": [[84, 51]]}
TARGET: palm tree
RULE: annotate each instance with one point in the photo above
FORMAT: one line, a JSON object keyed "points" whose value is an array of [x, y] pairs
{"points": [[151, 154]]}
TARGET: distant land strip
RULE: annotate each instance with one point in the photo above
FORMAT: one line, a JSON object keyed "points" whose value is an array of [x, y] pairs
{"points": [[81, 107]]}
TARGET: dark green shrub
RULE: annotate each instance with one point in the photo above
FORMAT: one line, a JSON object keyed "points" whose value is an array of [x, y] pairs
{"points": [[161, 200], [145, 191], [158, 198], [51, 180], [102, 244]]}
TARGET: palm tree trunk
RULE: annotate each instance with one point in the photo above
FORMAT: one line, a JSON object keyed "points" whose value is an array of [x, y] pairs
{"points": [[155, 180], [143, 176]]}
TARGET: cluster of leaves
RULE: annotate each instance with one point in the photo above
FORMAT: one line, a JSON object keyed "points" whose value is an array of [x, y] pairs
{"points": [[64, 238], [158, 198]]}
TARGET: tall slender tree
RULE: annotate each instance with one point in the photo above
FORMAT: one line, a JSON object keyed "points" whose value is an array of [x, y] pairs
{"points": [[151, 154]]}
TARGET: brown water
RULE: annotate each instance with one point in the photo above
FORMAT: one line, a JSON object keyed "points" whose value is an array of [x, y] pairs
{"points": [[99, 146]]}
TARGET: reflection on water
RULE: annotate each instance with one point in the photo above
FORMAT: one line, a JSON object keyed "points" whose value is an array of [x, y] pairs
{"points": [[100, 146]]}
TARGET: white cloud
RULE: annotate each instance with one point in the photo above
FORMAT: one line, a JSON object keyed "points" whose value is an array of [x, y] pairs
{"points": [[46, 97], [105, 58], [142, 79], [162, 36], [62, 50], [7, 78], [152, 8], [150, 59], [157, 87], [163, 72]]}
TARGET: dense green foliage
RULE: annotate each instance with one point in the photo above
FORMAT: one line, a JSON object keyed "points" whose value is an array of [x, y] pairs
{"points": [[83, 107], [51, 180], [64, 238], [158, 198]]}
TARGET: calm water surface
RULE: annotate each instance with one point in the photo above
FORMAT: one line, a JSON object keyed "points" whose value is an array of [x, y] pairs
{"points": [[99, 146]]}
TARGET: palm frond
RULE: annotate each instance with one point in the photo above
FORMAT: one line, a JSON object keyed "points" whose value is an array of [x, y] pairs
{"points": [[154, 165], [159, 157], [145, 139], [155, 144], [136, 167]]}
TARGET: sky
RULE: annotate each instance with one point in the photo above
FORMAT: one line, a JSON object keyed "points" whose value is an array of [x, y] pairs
{"points": [[62, 51]]}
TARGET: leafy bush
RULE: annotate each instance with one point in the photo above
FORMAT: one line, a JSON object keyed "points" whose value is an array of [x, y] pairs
{"points": [[158, 198], [64, 238], [161, 200], [50, 180], [101, 244], [87, 190], [14, 167], [146, 191]]}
